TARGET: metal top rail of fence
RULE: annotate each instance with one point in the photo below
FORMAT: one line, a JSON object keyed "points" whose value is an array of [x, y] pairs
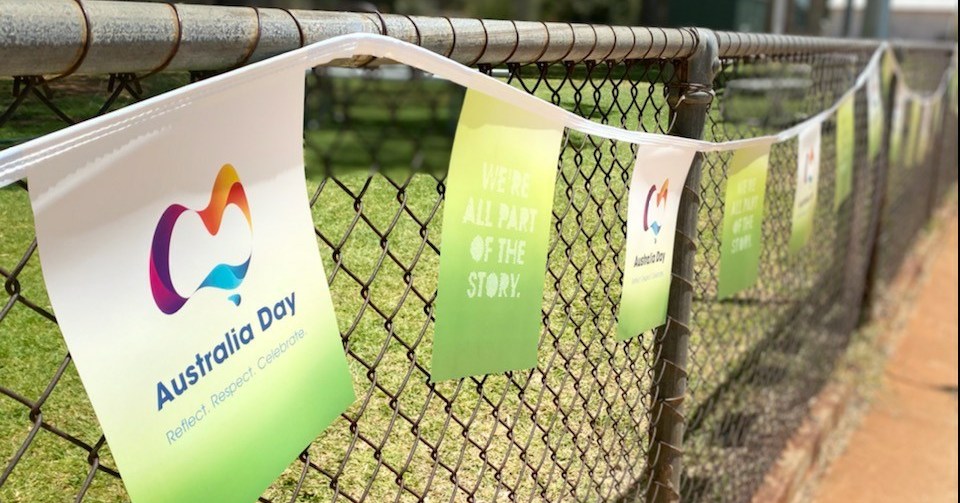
{"points": [[55, 37], [698, 410]]}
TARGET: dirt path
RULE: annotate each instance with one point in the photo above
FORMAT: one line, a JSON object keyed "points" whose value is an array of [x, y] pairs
{"points": [[905, 450]]}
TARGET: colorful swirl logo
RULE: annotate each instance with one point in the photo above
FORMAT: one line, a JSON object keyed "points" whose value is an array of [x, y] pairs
{"points": [[654, 225], [808, 165], [227, 190]]}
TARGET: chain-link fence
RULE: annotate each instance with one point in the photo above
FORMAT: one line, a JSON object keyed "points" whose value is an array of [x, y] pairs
{"points": [[758, 357], [597, 419], [914, 190]]}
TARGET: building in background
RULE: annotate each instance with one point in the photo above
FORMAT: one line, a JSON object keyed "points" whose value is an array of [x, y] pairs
{"points": [[799, 17], [910, 19], [621, 12], [915, 19]]}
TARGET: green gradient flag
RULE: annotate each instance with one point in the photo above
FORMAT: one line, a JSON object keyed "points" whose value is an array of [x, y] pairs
{"points": [[938, 111], [952, 89], [844, 152], [742, 220], [497, 212], [925, 141], [912, 150], [887, 68], [936, 117], [805, 198], [181, 261], [939, 107], [874, 116], [655, 187], [897, 122]]}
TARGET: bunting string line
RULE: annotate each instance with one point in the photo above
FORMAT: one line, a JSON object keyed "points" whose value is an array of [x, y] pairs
{"points": [[16, 161], [914, 95]]}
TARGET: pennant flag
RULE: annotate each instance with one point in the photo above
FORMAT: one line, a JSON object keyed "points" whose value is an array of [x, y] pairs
{"points": [[952, 88], [497, 212], [897, 123], [846, 145], [887, 66], [805, 198], [742, 220], [180, 258], [912, 154], [937, 111], [658, 178], [925, 141], [874, 116]]}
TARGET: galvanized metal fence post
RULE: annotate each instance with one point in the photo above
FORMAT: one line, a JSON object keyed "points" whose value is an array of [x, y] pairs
{"points": [[690, 102]]}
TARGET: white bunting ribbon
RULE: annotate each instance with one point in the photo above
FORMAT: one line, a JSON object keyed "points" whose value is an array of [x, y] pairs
{"points": [[16, 161], [913, 95]]}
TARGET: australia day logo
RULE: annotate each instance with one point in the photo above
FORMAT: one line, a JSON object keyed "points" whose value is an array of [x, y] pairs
{"points": [[227, 191], [808, 164], [652, 219]]}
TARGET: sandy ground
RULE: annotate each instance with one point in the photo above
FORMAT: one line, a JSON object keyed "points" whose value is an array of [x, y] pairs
{"points": [[905, 450]]}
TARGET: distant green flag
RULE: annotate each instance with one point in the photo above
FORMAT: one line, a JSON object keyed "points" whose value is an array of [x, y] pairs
{"points": [[742, 220], [846, 146], [897, 123], [952, 89], [925, 141], [912, 151], [496, 226], [886, 69], [874, 116]]}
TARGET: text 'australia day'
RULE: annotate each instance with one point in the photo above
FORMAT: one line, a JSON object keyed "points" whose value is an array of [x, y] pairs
{"points": [[233, 341]]}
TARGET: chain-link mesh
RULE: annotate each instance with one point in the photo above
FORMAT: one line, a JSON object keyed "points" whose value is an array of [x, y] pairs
{"points": [[759, 356], [579, 426], [377, 145], [916, 183]]}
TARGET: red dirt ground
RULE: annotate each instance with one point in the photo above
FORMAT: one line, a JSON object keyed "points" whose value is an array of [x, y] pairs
{"points": [[905, 450]]}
